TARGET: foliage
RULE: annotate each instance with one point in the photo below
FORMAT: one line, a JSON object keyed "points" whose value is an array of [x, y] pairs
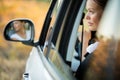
{"points": [[13, 55]]}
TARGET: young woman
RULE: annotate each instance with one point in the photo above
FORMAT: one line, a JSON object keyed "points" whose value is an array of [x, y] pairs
{"points": [[20, 32], [93, 15], [92, 18]]}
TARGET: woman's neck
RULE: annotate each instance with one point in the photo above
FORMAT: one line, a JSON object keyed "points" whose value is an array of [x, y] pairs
{"points": [[93, 34]]}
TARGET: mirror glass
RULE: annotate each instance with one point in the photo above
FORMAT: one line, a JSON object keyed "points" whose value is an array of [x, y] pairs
{"points": [[19, 30]]}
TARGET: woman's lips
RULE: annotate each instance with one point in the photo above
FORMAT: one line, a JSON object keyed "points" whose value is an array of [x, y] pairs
{"points": [[90, 24]]}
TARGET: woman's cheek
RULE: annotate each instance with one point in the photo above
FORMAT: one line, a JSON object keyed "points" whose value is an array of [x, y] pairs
{"points": [[95, 20]]}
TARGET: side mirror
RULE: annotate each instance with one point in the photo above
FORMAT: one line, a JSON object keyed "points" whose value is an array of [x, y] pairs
{"points": [[20, 30]]}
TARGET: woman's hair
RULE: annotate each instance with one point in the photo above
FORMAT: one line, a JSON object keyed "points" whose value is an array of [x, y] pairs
{"points": [[101, 3]]}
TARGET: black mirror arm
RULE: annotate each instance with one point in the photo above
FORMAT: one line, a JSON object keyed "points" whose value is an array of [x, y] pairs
{"points": [[30, 43]]}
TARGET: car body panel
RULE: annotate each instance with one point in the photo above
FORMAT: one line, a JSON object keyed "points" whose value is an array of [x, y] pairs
{"points": [[35, 67]]}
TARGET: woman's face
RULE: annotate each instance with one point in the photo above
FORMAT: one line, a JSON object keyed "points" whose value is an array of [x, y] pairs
{"points": [[17, 25], [93, 15]]}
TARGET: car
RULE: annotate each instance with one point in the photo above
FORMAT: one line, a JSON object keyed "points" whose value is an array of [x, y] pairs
{"points": [[53, 55]]}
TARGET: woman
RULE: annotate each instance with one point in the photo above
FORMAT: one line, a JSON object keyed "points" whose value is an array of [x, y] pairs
{"points": [[93, 15], [94, 12], [20, 33]]}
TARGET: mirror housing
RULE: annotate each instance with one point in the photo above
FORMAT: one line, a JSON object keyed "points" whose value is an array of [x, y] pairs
{"points": [[20, 30]]}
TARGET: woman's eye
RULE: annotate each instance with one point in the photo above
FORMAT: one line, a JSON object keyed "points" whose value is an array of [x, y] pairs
{"points": [[91, 11]]}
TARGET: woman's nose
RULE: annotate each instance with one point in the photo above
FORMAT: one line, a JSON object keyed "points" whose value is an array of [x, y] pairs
{"points": [[87, 16]]}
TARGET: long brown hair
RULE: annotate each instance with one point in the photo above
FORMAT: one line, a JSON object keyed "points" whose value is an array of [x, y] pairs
{"points": [[101, 3]]}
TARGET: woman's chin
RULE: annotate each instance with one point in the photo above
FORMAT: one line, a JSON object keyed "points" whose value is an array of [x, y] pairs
{"points": [[92, 28]]}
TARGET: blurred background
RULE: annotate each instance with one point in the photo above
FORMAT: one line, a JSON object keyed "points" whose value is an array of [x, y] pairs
{"points": [[13, 56]]}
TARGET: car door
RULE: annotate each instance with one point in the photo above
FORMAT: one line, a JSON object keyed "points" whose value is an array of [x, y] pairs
{"points": [[56, 48]]}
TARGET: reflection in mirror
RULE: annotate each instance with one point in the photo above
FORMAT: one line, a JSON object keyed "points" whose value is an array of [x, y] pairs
{"points": [[19, 30]]}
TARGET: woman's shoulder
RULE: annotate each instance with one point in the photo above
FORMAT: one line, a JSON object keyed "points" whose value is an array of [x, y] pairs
{"points": [[13, 35]]}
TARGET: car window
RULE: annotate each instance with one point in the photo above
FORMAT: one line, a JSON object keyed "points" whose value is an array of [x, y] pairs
{"points": [[49, 20], [51, 25], [55, 56], [105, 58], [51, 52]]}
